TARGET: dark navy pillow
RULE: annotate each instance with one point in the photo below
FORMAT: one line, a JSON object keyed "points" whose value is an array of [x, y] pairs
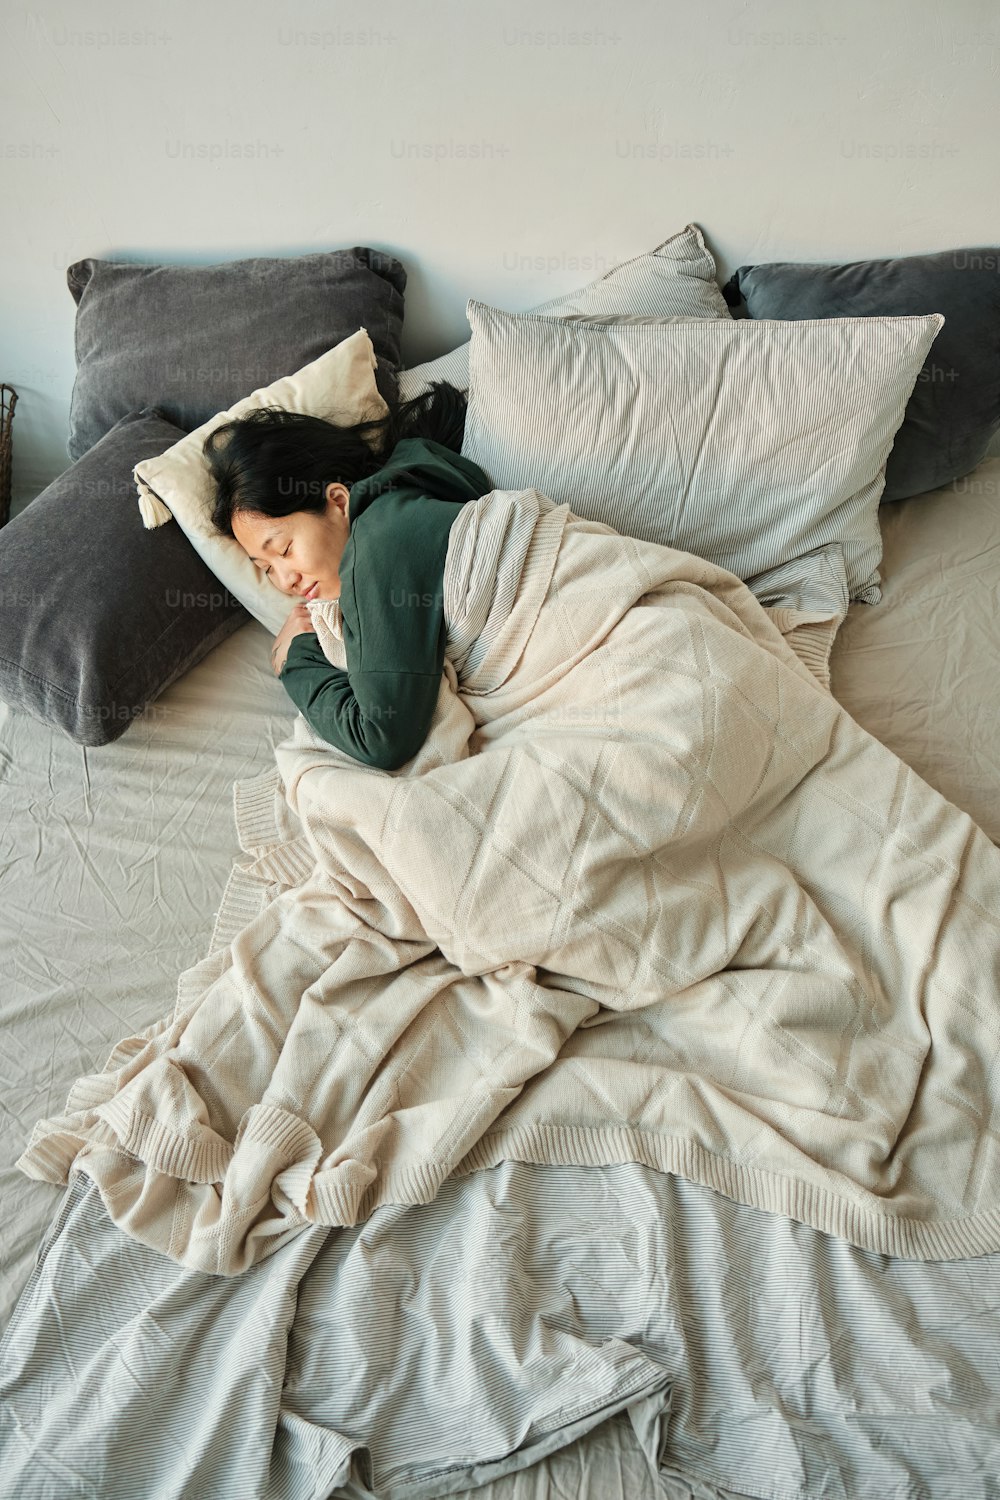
{"points": [[97, 614], [954, 410]]}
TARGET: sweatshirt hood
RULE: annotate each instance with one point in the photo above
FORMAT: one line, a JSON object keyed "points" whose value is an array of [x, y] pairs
{"points": [[417, 465]]}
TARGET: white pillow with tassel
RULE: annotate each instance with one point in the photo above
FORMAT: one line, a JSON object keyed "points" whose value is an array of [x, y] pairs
{"points": [[339, 386]]}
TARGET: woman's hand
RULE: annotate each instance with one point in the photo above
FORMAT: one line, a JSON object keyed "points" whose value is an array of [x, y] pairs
{"points": [[298, 622]]}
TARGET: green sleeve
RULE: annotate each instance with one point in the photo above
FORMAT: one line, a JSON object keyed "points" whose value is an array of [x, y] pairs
{"points": [[380, 718], [379, 709]]}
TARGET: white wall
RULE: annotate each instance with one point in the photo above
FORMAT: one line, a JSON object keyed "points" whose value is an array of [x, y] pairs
{"points": [[507, 151]]}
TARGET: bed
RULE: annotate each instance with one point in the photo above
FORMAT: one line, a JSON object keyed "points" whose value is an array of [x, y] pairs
{"points": [[534, 1329]]}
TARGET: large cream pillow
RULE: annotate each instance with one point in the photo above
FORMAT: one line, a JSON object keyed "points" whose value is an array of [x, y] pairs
{"points": [[757, 444], [339, 386]]}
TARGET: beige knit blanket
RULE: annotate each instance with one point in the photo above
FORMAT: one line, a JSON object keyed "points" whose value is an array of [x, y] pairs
{"points": [[646, 894]]}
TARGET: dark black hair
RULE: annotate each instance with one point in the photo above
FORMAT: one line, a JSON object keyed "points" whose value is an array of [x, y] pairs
{"points": [[273, 462]]}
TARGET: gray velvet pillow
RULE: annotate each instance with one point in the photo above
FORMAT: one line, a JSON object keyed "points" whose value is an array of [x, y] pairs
{"points": [[97, 614], [954, 410], [194, 340]]}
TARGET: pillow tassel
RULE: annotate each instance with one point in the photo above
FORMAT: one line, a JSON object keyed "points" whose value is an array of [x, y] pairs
{"points": [[151, 508]]}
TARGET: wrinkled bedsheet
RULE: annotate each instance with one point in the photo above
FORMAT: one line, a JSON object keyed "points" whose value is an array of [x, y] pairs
{"points": [[646, 894], [921, 670], [614, 1333]]}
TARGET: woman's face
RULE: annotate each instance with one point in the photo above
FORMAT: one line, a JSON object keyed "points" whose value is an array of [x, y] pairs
{"points": [[300, 553]]}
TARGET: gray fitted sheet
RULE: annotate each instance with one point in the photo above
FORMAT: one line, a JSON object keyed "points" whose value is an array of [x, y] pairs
{"points": [[921, 670]]}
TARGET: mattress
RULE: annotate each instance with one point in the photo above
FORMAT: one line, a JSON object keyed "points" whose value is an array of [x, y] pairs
{"points": [[112, 865]]}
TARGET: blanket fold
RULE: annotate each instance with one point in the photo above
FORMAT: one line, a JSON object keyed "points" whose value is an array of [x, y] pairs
{"points": [[647, 894]]}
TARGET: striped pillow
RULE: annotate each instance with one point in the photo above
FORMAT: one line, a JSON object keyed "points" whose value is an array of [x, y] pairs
{"points": [[677, 279], [759, 445]]}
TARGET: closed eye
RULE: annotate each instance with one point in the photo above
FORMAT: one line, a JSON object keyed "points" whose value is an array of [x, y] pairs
{"points": [[284, 554]]}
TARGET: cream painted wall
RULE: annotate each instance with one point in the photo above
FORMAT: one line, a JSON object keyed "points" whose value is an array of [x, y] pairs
{"points": [[503, 151]]}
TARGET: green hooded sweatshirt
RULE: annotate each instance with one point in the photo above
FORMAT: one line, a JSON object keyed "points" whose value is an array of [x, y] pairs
{"points": [[392, 607]]}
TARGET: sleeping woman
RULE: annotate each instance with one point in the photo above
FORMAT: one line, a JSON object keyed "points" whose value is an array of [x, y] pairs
{"points": [[360, 514]]}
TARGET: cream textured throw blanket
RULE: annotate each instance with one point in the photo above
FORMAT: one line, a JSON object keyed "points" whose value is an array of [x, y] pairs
{"points": [[646, 894]]}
